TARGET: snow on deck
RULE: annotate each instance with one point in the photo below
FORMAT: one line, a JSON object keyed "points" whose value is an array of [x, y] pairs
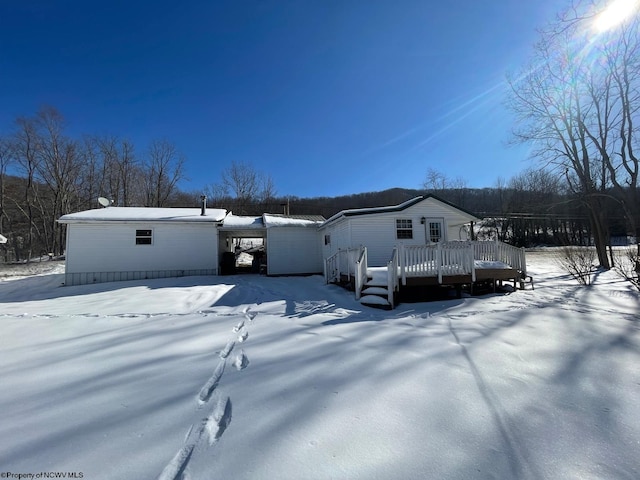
{"points": [[491, 265]]}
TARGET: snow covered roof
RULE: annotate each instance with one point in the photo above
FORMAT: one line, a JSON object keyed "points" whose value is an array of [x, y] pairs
{"points": [[242, 222], [144, 214], [395, 208], [3, 239], [268, 220], [277, 220]]}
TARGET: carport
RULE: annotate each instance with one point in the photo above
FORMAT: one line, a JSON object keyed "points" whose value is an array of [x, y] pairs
{"points": [[242, 245]]}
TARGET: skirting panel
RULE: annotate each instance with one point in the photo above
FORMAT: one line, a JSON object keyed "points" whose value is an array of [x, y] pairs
{"points": [[85, 278]]}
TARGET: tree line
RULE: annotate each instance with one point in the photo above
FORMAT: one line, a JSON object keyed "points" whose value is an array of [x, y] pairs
{"points": [[53, 174]]}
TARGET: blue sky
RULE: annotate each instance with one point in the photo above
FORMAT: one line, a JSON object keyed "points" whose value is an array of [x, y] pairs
{"points": [[329, 97]]}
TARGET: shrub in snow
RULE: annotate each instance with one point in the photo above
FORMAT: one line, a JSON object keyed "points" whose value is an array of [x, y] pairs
{"points": [[579, 262], [628, 266]]}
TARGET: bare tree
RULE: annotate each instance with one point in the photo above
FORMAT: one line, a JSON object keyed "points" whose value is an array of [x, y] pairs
{"points": [[59, 169], [121, 171], [614, 127], [576, 103], [243, 182], [452, 189], [267, 189], [25, 147], [435, 180], [91, 175], [217, 194], [6, 158], [163, 169]]}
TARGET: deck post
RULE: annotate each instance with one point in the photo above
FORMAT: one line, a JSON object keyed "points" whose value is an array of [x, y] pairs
{"points": [[473, 262], [439, 261], [401, 259]]}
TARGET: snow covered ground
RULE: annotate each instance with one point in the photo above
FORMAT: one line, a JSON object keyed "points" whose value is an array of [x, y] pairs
{"points": [[248, 377]]}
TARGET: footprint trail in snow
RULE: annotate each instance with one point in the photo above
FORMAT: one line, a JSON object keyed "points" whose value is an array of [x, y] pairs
{"points": [[211, 428]]}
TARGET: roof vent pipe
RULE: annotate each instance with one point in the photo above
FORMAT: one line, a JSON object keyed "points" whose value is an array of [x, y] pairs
{"points": [[203, 208]]}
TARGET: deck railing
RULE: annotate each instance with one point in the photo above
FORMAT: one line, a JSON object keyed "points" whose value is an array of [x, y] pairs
{"points": [[341, 264], [456, 258], [485, 251], [444, 258], [418, 261], [501, 252], [512, 256]]}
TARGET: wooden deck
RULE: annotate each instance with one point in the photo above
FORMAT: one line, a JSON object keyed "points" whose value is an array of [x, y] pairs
{"points": [[452, 264]]}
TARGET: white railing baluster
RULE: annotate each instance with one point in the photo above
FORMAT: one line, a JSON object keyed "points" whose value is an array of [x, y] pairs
{"points": [[360, 272]]}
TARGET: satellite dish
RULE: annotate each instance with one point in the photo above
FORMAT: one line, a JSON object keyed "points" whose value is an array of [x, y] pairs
{"points": [[105, 202]]}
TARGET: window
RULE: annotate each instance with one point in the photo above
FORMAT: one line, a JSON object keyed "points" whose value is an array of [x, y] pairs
{"points": [[435, 231], [143, 237], [327, 239], [404, 228]]}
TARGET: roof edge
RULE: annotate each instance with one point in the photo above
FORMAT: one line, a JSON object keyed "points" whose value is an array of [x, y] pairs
{"points": [[395, 208]]}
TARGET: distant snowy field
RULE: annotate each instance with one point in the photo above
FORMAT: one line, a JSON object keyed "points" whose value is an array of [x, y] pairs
{"points": [[128, 380]]}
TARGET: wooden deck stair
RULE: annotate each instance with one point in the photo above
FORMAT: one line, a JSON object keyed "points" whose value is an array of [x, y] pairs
{"points": [[375, 292]]}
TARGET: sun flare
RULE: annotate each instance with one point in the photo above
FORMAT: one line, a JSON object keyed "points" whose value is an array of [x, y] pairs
{"points": [[616, 13]]}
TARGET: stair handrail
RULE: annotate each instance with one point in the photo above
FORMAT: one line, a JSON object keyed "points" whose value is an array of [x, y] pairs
{"points": [[361, 271], [331, 268], [393, 284], [341, 262]]}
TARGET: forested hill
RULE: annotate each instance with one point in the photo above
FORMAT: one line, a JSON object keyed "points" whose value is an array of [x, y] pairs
{"points": [[479, 201]]}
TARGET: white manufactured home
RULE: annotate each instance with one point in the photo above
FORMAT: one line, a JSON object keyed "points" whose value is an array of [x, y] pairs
{"points": [[130, 243], [423, 241], [419, 221]]}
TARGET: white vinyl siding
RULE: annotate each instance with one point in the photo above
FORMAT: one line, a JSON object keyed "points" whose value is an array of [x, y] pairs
{"points": [[378, 234], [339, 236], [110, 247], [293, 250]]}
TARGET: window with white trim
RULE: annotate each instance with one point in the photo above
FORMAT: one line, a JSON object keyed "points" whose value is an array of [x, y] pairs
{"points": [[144, 237], [404, 228]]}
